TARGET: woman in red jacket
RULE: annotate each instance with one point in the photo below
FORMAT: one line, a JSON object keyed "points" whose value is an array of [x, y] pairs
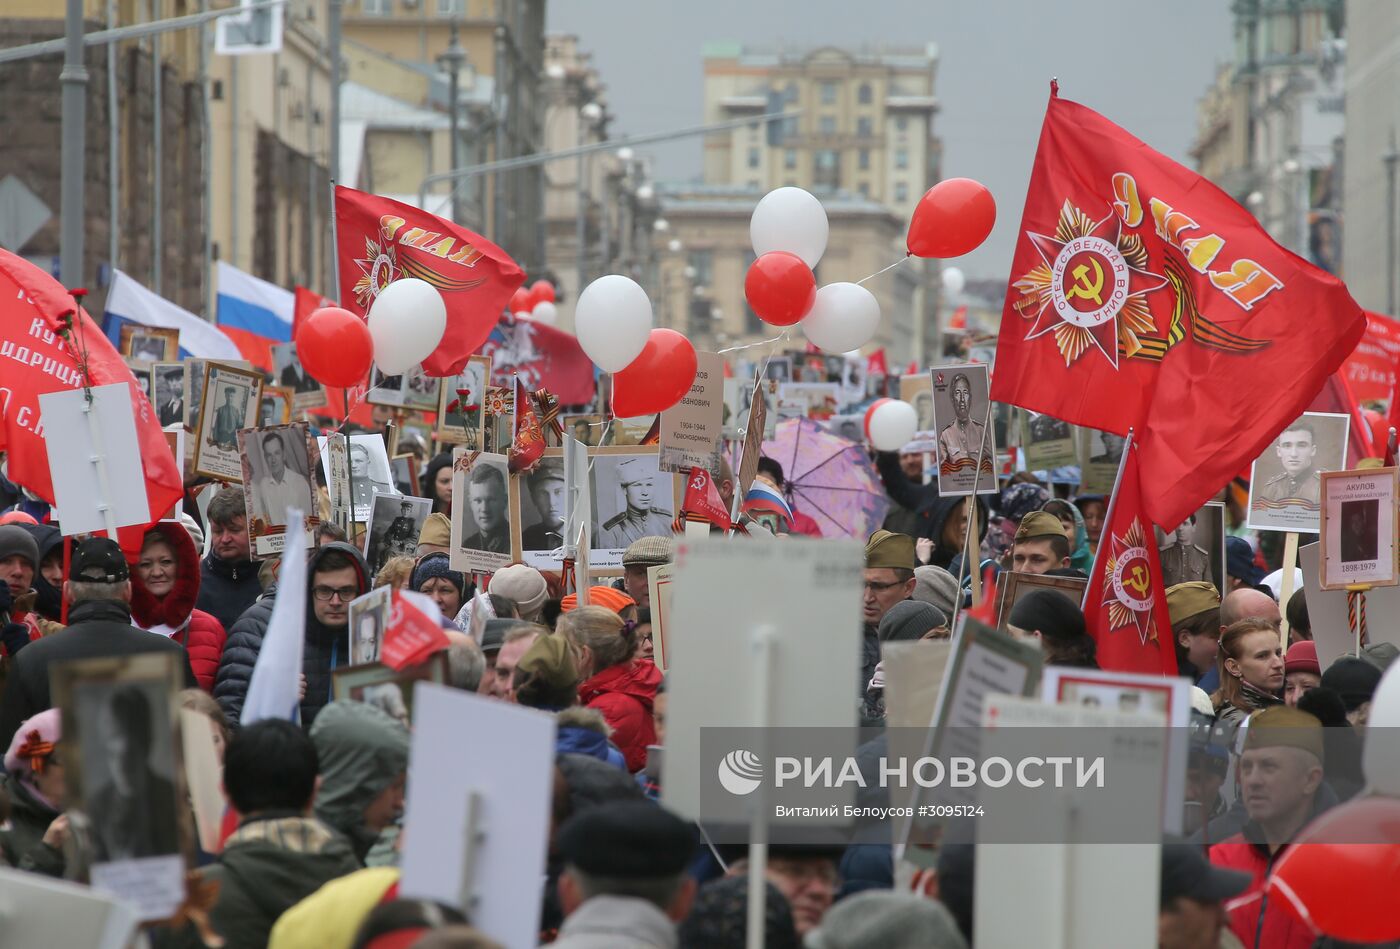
{"points": [[164, 587], [619, 686]]}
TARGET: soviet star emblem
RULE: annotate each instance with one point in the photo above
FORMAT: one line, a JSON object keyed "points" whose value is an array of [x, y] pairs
{"points": [[1090, 288], [1127, 582], [378, 268]]}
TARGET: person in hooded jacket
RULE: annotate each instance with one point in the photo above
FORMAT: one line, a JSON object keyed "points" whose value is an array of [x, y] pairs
{"points": [[35, 789], [1081, 556], [939, 519], [335, 575], [616, 684], [48, 581], [164, 587], [364, 765], [228, 575]]}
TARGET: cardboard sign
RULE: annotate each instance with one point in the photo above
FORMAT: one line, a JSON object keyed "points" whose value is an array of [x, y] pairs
{"points": [[335, 449], [38, 910], [94, 458], [578, 502], [476, 826], [204, 777], [659, 589], [414, 632], [690, 429]]}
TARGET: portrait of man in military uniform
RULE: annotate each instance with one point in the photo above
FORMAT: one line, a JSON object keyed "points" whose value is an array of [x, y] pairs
{"points": [[959, 438], [546, 488], [1299, 481], [1286, 480], [486, 515], [1183, 560], [645, 494], [960, 404]]}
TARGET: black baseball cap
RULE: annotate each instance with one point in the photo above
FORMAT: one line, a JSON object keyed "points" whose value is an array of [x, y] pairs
{"points": [[99, 560], [1186, 872]]}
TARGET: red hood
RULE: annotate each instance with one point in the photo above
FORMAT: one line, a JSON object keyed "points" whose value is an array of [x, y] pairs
{"points": [[639, 678], [176, 606]]}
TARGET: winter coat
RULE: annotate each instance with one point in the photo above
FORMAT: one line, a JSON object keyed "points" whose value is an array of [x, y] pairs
{"points": [[624, 694], [583, 731], [48, 602], [1260, 920], [362, 750], [930, 509], [174, 614], [272, 862], [96, 629], [331, 917], [227, 588], [1246, 703], [616, 922], [324, 649], [22, 837]]}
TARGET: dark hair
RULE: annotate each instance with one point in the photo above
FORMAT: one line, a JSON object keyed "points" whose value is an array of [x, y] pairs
{"points": [[1297, 613], [405, 914], [131, 708], [504, 607], [1059, 546], [226, 507], [903, 574], [768, 466], [1199, 625], [329, 531], [484, 474], [643, 616], [333, 560], [1300, 426], [270, 765]]}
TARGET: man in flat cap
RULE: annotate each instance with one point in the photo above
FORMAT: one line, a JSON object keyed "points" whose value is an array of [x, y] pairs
{"points": [[640, 557], [1040, 545], [1194, 610], [624, 881], [547, 491], [638, 479], [1182, 559]]}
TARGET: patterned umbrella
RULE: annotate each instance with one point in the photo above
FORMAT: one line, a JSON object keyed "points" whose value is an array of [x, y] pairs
{"points": [[829, 478]]}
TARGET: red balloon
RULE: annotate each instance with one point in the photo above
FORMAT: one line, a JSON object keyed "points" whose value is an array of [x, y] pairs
{"points": [[951, 219], [541, 291], [780, 287], [1344, 871], [658, 378], [870, 413], [335, 347], [520, 301]]}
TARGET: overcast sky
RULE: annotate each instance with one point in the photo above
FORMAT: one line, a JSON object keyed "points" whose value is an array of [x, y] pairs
{"points": [[1142, 64]]}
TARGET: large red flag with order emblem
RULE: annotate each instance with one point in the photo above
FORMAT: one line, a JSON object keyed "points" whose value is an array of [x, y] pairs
{"points": [[1143, 296], [380, 241], [1125, 603]]}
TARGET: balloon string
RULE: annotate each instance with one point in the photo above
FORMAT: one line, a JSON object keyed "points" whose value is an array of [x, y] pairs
{"points": [[763, 342], [878, 272]]}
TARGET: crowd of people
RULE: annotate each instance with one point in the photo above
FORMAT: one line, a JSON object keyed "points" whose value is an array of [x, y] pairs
{"points": [[311, 852]]}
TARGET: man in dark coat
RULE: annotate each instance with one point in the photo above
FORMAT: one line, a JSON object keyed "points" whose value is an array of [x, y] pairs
{"points": [[936, 518], [228, 577], [336, 574], [889, 579], [99, 626]]}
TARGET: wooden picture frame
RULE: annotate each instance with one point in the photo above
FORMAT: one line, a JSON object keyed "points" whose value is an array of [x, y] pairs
{"points": [[1359, 526], [1012, 586], [446, 431], [134, 335], [349, 683]]}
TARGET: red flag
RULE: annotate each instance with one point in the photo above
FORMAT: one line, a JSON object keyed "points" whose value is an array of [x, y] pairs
{"points": [[959, 320], [702, 499], [1371, 369], [875, 363], [1125, 604], [35, 360], [307, 302], [1336, 396], [381, 240], [412, 634], [1144, 297], [543, 357], [527, 437]]}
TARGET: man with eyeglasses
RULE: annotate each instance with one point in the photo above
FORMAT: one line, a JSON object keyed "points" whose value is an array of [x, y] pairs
{"points": [[336, 574], [889, 578]]}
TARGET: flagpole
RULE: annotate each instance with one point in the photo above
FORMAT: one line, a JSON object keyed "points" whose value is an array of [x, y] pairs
{"points": [[1108, 515]]}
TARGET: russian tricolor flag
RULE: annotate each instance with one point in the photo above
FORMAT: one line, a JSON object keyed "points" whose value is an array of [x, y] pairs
{"points": [[765, 497], [129, 302], [253, 313]]}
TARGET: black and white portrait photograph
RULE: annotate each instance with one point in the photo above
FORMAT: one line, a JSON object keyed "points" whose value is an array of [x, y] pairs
{"points": [[288, 373], [1285, 483], [150, 344], [394, 525], [960, 404], [276, 406], [540, 497], [369, 617], [1047, 441], [142, 372], [168, 395], [778, 369], [584, 428], [849, 427], [632, 498], [1196, 549], [1358, 528], [1100, 454], [369, 471], [461, 409], [480, 511], [232, 398], [277, 476], [918, 392], [413, 389]]}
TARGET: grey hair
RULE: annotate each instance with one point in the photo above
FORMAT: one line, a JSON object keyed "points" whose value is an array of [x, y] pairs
{"points": [[466, 664], [80, 591], [658, 891]]}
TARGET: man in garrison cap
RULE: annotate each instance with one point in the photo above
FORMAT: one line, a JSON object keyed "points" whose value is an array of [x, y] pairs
{"points": [[889, 579], [1040, 544], [638, 479]]}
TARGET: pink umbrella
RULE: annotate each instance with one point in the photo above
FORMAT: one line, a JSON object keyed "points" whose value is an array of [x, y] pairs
{"points": [[829, 478]]}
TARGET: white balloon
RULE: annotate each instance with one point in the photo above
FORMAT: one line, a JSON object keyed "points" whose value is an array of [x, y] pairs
{"points": [[406, 322], [790, 219], [612, 321], [545, 312], [1381, 748], [953, 280], [844, 317], [892, 425]]}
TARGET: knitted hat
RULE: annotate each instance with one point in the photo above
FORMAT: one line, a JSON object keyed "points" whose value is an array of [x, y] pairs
{"points": [[1050, 613], [33, 742], [606, 597], [1281, 726], [16, 541], [1239, 561], [525, 585], [649, 552], [1302, 657], [886, 549], [1354, 679], [436, 532], [1188, 600], [909, 620], [436, 565], [935, 586], [1039, 524]]}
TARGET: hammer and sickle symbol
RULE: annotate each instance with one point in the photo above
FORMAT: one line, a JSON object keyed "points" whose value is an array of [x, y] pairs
{"points": [[1085, 289], [1138, 580]]}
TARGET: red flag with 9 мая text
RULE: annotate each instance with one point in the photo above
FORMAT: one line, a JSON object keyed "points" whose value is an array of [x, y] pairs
{"points": [[1142, 296], [34, 360], [380, 241]]}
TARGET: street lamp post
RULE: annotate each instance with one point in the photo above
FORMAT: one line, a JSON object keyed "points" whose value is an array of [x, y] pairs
{"points": [[1391, 159], [453, 59], [589, 114]]}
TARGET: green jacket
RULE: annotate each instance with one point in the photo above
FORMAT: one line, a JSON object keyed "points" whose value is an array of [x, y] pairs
{"points": [[22, 836], [362, 751]]}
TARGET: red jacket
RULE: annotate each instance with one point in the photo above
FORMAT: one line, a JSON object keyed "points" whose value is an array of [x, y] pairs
{"points": [[1258, 920], [174, 614], [624, 694]]}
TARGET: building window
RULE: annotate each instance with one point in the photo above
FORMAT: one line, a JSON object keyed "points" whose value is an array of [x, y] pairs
{"points": [[827, 125], [790, 127], [865, 95], [753, 158], [703, 261], [447, 7], [864, 127], [901, 158], [901, 192], [902, 123], [826, 168], [376, 7], [828, 93], [790, 92], [864, 189], [864, 159], [790, 158]]}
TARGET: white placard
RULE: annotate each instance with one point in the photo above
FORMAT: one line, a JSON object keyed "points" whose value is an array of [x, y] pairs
{"points": [[509, 780], [75, 435], [578, 502], [203, 777], [37, 910], [690, 429]]}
